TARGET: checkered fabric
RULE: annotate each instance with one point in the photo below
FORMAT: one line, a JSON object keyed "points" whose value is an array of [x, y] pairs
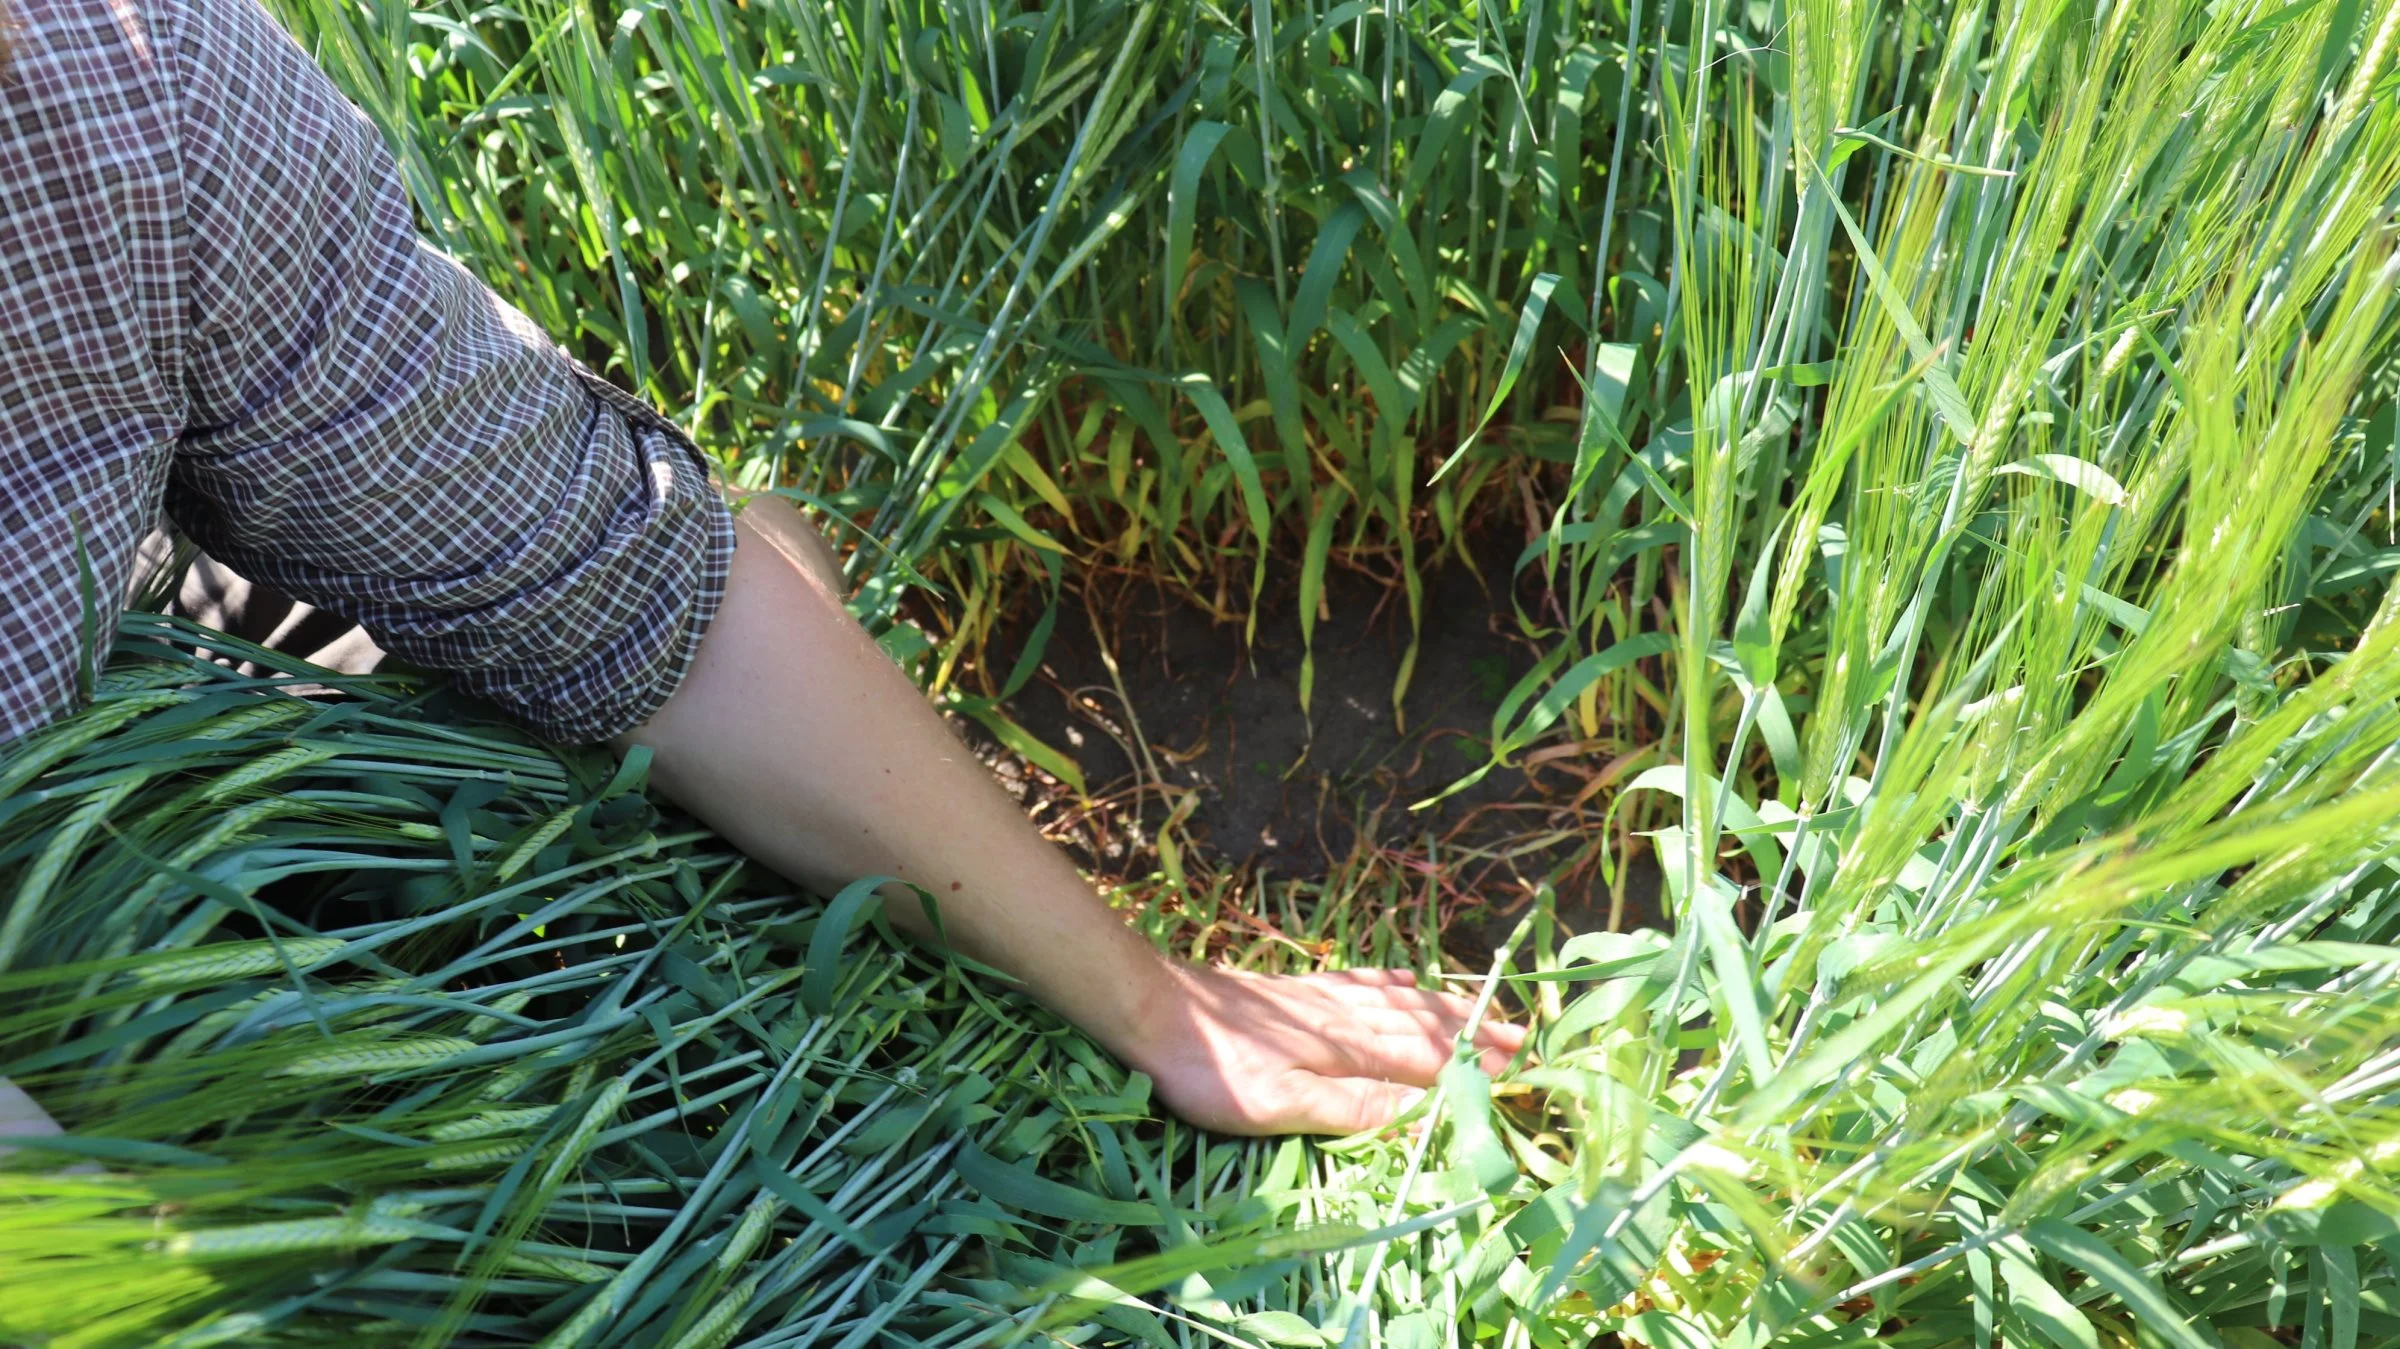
{"points": [[212, 299]]}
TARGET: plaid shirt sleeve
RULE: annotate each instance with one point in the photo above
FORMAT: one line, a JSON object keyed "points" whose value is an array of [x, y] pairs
{"points": [[370, 429]]}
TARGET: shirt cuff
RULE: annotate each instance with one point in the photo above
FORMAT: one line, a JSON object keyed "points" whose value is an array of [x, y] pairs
{"points": [[666, 588]]}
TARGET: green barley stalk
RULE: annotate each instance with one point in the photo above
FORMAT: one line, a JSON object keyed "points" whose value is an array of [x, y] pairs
{"points": [[1976, 505]]}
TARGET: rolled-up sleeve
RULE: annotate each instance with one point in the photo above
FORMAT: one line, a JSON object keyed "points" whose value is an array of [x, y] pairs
{"points": [[373, 431]]}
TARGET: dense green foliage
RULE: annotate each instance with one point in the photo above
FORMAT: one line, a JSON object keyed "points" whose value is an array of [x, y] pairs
{"points": [[1955, 447], [495, 1038], [1170, 285]]}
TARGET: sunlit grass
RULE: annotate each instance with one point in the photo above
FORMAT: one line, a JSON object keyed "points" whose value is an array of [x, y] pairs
{"points": [[1972, 480]]}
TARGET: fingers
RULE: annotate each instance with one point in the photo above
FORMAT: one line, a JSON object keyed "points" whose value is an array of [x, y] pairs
{"points": [[1393, 1006], [1349, 1105], [1399, 993], [1371, 975], [1405, 1054], [1290, 1100], [1404, 994], [1505, 1038], [1404, 1046], [1497, 1042], [1410, 1055], [1315, 1054]]}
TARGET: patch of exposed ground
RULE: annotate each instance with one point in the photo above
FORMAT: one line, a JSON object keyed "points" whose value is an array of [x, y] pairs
{"points": [[1210, 729]]}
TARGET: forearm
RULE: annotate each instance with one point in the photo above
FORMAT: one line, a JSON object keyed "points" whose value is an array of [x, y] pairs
{"points": [[795, 737]]}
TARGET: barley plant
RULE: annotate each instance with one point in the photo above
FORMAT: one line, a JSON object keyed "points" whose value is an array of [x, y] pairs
{"points": [[1954, 452]]}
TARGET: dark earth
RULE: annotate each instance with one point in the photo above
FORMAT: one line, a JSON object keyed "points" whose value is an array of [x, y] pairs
{"points": [[1288, 793]]}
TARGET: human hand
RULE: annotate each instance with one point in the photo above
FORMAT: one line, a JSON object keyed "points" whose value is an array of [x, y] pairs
{"points": [[855, 752], [1246, 1053]]}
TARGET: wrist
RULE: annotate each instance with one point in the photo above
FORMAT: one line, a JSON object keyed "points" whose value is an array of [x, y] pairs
{"points": [[1143, 1002]]}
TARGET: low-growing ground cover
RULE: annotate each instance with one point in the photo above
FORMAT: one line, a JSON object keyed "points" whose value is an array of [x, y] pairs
{"points": [[1946, 461]]}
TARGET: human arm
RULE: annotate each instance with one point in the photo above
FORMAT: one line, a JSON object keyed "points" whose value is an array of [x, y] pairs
{"points": [[367, 427], [374, 432], [799, 740]]}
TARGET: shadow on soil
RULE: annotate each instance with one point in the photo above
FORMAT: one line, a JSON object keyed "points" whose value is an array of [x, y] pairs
{"points": [[1288, 793]]}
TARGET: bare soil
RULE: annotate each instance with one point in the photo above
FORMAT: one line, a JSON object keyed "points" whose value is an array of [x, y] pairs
{"points": [[1290, 793]]}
